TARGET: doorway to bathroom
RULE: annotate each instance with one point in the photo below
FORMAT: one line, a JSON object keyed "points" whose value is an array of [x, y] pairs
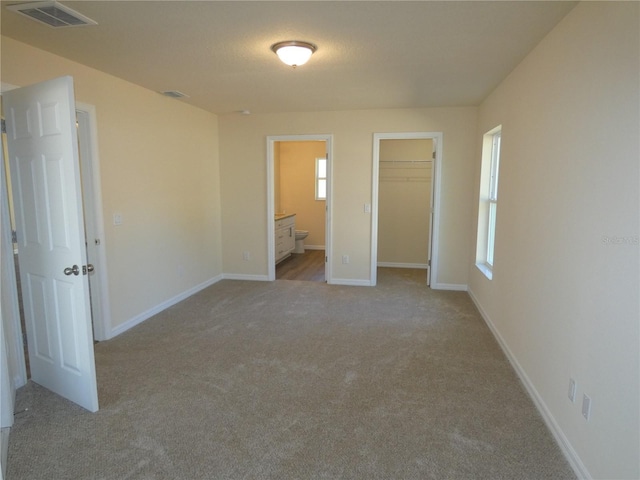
{"points": [[299, 189]]}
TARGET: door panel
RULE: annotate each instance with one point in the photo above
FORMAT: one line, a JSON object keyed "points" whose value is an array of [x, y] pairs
{"points": [[35, 311], [43, 152]]}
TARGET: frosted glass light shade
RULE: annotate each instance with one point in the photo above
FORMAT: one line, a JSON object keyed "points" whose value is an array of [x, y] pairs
{"points": [[293, 52]]}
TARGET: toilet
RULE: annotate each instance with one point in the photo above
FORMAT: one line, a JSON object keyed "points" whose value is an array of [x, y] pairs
{"points": [[300, 236]]}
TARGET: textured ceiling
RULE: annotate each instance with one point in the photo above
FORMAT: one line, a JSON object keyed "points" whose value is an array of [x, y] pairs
{"points": [[389, 54]]}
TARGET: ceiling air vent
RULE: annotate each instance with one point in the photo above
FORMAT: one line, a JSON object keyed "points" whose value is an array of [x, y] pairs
{"points": [[174, 94], [53, 14]]}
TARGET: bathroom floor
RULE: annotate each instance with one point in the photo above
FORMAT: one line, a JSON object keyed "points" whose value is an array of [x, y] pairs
{"points": [[307, 266]]}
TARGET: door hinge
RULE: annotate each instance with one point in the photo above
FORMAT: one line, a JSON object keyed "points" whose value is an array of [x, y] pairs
{"points": [[4, 126], [326, 259], [433, 155], [14, 236]]}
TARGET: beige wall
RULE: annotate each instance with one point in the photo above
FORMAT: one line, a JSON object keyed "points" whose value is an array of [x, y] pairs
{"points": [[404, 201], [297, 187], [564, 294], [159, 169], [244, 190]]}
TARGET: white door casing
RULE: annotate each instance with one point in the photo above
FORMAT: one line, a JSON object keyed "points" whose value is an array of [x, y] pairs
{"points": [[434, 219], [43, 153], [434, 145], [94, 220], [12, 368], [271, 140]]}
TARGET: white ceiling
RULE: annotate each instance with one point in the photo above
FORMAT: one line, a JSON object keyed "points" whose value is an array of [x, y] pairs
{"points": [[384, 54]]}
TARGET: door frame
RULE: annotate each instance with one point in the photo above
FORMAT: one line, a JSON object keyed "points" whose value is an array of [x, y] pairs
{"points": [[92, 197], [17, 374], [15, 355], [328, 242], [434, 222]]}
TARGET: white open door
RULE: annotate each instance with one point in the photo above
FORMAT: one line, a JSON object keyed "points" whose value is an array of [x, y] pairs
{"points": [[45, 174], [434, 146]]}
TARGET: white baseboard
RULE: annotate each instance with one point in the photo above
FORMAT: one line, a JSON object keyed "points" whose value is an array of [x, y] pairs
{"points": [[450, 286], [350, 281], [123, 327], [314, 247], [423, 266], [240, 276], [567, 449]]}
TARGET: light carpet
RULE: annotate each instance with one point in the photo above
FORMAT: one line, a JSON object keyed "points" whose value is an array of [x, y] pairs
{"points": [[296, 380]]}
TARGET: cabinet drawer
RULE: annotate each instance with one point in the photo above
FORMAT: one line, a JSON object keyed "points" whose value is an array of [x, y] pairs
{"points": [[285, 222]]}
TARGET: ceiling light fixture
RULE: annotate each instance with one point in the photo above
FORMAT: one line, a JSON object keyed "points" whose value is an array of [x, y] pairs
{"points": [[294, 52]]}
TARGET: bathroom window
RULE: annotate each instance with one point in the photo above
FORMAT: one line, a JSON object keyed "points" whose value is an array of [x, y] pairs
{"points": [[321, 178], [488, 202]]}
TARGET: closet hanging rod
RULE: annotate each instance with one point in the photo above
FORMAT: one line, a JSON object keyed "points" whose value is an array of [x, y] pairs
{"points": [[428, 160], [404, 179]]}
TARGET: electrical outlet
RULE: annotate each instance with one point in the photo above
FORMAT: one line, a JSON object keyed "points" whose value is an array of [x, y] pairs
{"points": [[572, 390], [586, 406], [345, 259], [246, 256], [117, 219]]}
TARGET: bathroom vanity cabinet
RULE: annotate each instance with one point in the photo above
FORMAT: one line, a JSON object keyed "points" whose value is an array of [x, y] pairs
{"points": [[285, 233]]}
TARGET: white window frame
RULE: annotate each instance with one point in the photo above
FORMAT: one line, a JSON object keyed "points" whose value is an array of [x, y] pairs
{"points": [[488, 202], [493, 196], [320, 178]]}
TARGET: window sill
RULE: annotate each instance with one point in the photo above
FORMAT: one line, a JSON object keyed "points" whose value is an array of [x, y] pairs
{"points": [[485, 269]]}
